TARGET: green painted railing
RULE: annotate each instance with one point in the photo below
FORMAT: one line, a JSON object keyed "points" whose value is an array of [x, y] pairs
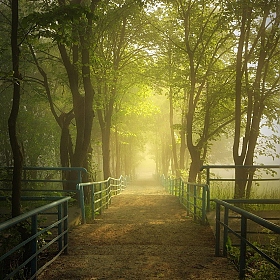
{"points": [[209, 177], [35, 243], [223, 223], [7, 176], [194, 197], [99, 194]]}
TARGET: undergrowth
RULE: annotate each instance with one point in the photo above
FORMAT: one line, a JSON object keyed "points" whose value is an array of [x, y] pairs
{"points": [[257, 267]]}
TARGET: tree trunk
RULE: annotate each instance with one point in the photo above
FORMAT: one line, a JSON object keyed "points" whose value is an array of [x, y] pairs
{"points": [[195, 165], [118, 154], [173, 140], [12, 122], [106, 153]]}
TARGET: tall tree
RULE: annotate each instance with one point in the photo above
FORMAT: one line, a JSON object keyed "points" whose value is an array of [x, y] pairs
{"points": [[73, 36], [12, 122], [205, 42], [257, 80], [116, 50]]}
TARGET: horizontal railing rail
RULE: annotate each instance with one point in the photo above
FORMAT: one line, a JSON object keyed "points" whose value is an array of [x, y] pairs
{"points": [[242, 234], [79, 170], [33, 233], [99, 194], [194, 197], [249, 167]]}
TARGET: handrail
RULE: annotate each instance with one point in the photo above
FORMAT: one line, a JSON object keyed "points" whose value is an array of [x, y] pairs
{"points": [[100, 194], [208, 167], [80, 170], [62, 236], [195, 201], [30, 213], [245, 215], [239, 166]]}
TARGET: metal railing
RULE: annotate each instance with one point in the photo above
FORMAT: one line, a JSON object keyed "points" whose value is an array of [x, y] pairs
{"points": [[28, 178], [194, 197], [223, 223], [209, 179], [99, 194], [33, 241]]}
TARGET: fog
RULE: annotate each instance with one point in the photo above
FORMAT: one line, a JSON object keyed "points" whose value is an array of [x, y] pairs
{"points": [[147, 166]]}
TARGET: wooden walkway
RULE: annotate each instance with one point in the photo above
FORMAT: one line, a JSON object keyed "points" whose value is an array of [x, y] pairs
{"points": [[145, 234]]}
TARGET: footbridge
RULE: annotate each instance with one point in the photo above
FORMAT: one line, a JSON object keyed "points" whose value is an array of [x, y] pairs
{"points": [[136, 229]]}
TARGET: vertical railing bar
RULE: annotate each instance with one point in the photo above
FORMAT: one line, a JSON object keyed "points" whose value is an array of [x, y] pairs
{"points": [[218, 228], [107, 195], [208, 198], [242, 258], [65, 226], [110, 191], [92, 192], [225, 238], [204, 205], [59, 217], [188, 199], [195, 202], [80, 189], [34, 226], [100, 197]]}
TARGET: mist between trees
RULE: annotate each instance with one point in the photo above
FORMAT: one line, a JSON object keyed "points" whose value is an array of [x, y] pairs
{"points": [[100, 81]]}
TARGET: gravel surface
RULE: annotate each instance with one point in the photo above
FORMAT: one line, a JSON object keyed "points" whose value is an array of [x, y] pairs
{"points": [[145, 234]]}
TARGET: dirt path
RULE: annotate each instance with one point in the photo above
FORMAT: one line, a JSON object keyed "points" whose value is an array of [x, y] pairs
{"points": [[145, 234]]}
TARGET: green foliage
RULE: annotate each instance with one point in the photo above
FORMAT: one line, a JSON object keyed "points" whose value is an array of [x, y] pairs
{"points": [[257, 268], [9, 239], [56, 22]]}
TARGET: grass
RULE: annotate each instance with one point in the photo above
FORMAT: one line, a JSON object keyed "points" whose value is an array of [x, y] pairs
{"points": [[257, 267], [225, 190]]}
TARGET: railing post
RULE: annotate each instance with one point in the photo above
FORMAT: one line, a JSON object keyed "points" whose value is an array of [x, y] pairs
{"points": [[180, 191], [59, 217], [100, 198], [242, 258], [204, 204], [65, 226], [195, 202], [218, 228], [107, 195], [188, 199], [82, 202], [34, 226], [225, 238], [110, 191], [92, 201]]}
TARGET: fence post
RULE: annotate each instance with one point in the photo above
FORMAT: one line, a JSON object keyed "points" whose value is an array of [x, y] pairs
{"points": [[34, 226], [225, 238], [188, 199], [82, 202], [65, 226], [218, 226], [110, 191], [204, 204], [59, 217], [195, 202], [92, 202], [242, 258], [181, 191], [107, 195]]}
